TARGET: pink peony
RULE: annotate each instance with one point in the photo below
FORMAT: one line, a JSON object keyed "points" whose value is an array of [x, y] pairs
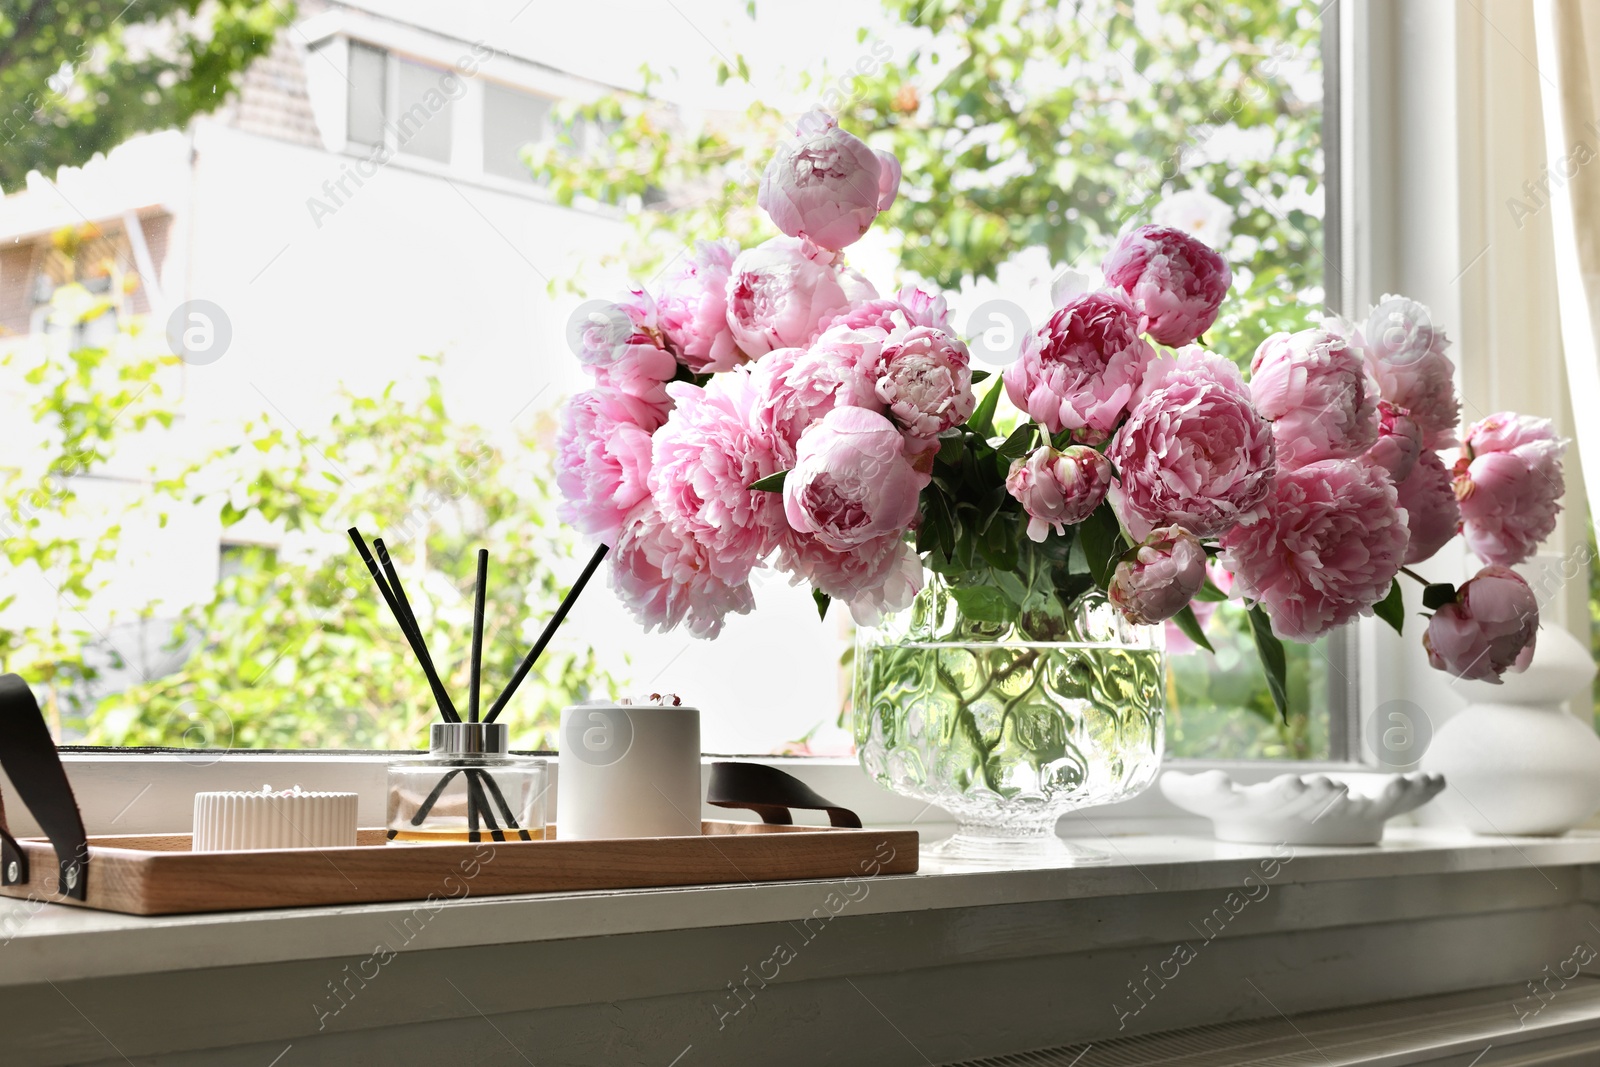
{"points": [[875, 579], [665, 577], [851, 481], [1194, 453], [1489, 629], [924, 377], [797, 386], [706, 457], [1509, 482], [1164, 574], [1058, 489], [638, 377], [693, 309], [1081, 370], [603, 463], [1399, 443], [609, 330], [1313, 387], [1177, 282], [1406, 355], [910, 307], [826, 184], [1327, 548], [1432, 515], [780, 293]]}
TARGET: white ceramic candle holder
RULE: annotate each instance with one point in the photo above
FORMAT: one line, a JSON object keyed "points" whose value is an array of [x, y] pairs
{"points": [[628, 770]]}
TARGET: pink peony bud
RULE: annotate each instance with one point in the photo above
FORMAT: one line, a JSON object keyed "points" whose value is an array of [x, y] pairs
{"points": [[1194, 453], [1058, 489], [826, 184], [1432, 515], [1399, 442], [603, 463], [1178, 642], [924, 378], [1177, 281], [780, 293], [1326, 549], [1080, 371], [1509, 482], [1490, 627], [1165, 573], [1314, 389], [851, 480], [693, 309]]}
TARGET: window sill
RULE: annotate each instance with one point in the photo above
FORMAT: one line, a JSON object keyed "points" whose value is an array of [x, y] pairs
{"points": [[51, 943]]}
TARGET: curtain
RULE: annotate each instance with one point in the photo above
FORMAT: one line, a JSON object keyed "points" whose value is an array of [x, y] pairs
{"points": [[1568, 38]]}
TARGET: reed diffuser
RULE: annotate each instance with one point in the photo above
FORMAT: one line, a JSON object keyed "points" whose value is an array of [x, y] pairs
{"points": [[468, 787]]}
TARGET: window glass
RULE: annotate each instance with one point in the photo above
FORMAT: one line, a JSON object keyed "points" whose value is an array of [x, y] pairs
{"points": [[422, 119], [511, 120], [341, 341], [368, 109]]}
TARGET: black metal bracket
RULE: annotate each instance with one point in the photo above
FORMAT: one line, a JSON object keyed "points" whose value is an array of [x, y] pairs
{"points": [[770, 793], [13, 861], [30, 759]]}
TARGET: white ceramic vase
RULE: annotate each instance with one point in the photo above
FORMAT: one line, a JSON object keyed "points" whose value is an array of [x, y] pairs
{"points": [[1514, 762]]}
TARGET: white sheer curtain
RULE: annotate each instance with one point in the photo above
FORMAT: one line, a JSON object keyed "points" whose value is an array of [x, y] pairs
{"points": [[1568, 36]]}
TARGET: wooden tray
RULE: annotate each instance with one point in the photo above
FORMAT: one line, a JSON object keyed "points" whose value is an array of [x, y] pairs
{"points": [[158, 875]]}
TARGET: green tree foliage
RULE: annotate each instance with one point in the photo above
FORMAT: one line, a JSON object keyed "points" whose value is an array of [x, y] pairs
{"points": [[79, 77], [60, 553], [298, 650]]}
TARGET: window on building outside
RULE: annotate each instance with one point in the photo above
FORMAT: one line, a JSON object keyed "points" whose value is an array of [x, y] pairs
{"points": [[512, 119], [368, 101]]}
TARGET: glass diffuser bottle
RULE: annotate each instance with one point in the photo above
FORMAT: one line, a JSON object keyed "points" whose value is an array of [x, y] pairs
{"points": [[467, 788]]}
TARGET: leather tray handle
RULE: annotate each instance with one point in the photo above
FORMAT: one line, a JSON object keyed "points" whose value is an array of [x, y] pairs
{"points": [[770, 793], [32, 763]]}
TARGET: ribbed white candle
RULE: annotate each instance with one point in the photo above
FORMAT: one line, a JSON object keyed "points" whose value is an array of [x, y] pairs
{"points": [[289, 818]]}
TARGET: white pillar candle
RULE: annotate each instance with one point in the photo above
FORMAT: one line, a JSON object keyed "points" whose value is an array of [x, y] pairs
{"points": [[628, 770]]}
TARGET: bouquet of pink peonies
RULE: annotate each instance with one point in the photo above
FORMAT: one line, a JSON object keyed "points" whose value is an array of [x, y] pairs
{"points": [[768, 407]]}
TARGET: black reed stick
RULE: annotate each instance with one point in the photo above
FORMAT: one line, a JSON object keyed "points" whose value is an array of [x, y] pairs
{"points": [[446, 708], [433, 798], [477, 635], [418, 642], [544, 638]]}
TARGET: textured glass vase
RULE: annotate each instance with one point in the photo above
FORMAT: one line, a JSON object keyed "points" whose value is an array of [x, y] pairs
{"points": [[1008, 726]]}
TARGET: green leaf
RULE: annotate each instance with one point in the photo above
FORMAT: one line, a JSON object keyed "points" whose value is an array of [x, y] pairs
{"points": [[1437, 595], [1273, 661], [1392, 608], [982, 420], [1019, 444], [980, 375], [1190, 625], [822, 600], [772, 483], [983, 603], [952, 443], [1102, 540], [1210, 594]]}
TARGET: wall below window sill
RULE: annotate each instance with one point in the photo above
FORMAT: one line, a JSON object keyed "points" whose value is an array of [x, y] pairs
{"points": [[963, 963]]}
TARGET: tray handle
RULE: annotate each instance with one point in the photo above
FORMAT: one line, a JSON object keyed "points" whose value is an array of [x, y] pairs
{"points": [[31, 761], [770, 793]]}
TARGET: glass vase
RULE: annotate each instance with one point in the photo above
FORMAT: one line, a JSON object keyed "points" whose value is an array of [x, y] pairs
{"points": [[1010, 725]]}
